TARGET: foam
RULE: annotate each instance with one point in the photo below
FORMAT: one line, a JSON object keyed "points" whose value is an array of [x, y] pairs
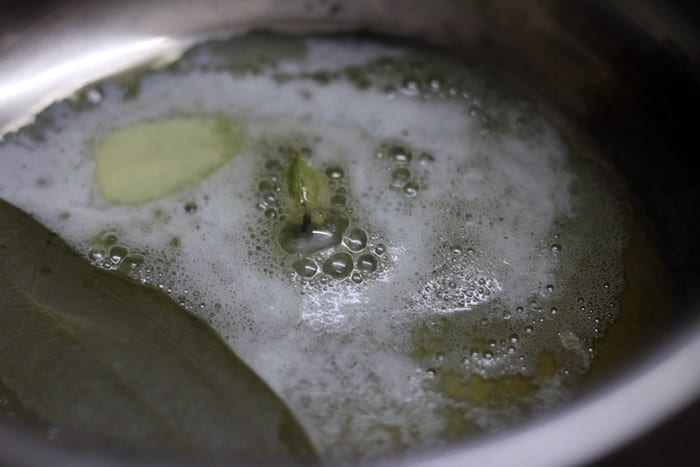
{"points": [[343, 355]]}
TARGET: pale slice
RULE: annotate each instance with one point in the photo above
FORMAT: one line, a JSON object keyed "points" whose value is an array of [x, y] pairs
{"points": [[151, 159]]}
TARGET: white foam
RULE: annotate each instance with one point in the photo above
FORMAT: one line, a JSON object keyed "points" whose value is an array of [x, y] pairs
{"points": [[341, 354]]}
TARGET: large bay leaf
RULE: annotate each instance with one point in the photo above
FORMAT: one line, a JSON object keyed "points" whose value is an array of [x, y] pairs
{"points": [[102, 358]]}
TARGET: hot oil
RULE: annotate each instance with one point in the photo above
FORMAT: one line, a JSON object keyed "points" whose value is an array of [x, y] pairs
{"points": [[468, 271]]}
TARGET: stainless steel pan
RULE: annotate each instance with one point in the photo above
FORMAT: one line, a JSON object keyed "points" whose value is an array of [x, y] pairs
{"points": [[625, 74]]}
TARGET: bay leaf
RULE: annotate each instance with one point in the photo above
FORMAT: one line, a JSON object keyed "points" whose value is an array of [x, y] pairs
{"points": [[107, 360]]}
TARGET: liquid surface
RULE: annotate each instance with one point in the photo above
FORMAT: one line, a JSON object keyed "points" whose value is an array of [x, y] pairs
{"points": [[457, 283]]}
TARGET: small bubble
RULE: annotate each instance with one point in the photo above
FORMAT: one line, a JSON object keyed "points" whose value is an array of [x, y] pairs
{"points": [[271, 213], [550, 288], [399, 154], [133, 261], [556, 248], [96, 255], [457, 249], [335, 173], [264, 186], [367, 263], [317, 216], [52, 433], [273, 165], [380, 249], [338, 200], [338, 265], [305, 268], [356, 239], [528, 329], [426, 158], [93, 96], [410, 87], [514, 338], [110, 238], [606, 285], [400, 176], [410, 189], [117, 253], [356, 277]]}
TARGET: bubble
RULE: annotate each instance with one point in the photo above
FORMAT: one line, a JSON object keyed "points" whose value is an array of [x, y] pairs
{"points": [[380, 249], [271, 213], [335, 173], [356, 239], [338, 265], [132, 261], [338, 200], [264, 186], [293, 240], [367, 262], [356, 277], [305, 268], [96, 255], [426, 158], [93, 96], [410, 189], [400, 176], [52, 433], [399, 154], [556, 248], [117, 253], [109, 238]]}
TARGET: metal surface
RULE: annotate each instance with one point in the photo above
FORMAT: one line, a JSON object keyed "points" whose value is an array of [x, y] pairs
{"points": [[624, 72]]}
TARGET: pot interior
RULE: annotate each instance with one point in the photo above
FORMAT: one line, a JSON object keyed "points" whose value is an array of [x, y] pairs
{"points": [[619, 80]]}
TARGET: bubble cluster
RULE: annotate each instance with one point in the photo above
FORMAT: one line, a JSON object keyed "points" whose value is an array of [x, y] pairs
{"points": [[335, 247], [106, 252], [399, 158]]}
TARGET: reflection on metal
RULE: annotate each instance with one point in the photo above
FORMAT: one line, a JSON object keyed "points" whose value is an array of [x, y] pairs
{"points": [[60, 79]]}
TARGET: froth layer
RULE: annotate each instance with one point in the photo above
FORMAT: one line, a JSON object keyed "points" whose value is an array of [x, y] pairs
{"points": [[499, 255]]}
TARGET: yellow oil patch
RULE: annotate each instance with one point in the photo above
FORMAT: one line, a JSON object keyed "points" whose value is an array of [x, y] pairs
{"points": [[481, 390], [546, 364]]}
